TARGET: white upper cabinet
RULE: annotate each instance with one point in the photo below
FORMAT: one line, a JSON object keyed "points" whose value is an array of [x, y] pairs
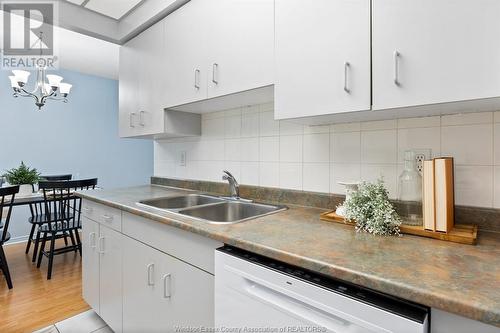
{"points": [[322, 57], [186, 53], [240, 45], [434, 51], [152, 92], [218, 47], [141, 88], [128, 89]]}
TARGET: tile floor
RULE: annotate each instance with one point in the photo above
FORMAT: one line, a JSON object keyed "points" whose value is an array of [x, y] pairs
{"points": [[85, 322]]}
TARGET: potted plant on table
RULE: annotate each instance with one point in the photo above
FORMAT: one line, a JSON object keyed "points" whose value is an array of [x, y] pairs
{"points": [[23, 176]]}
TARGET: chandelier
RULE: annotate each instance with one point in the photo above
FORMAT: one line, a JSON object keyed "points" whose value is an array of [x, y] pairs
{"points": [[46, 86]]}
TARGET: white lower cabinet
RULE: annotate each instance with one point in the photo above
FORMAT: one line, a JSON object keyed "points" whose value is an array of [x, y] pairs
{"points": [[102, 272], [161, 293], [110, 277], [137, 288], [90, 263]]}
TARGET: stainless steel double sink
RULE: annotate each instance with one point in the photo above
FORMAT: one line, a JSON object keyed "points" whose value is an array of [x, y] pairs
{"points": [[212, 209]]}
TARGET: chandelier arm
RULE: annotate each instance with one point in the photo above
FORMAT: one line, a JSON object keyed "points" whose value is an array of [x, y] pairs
{"points": [[28, 94], [45, 97]]}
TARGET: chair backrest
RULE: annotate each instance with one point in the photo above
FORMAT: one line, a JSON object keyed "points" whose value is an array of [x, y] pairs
{"points": [[57, 177], [59, 202], [7, 195], [36, 208]]}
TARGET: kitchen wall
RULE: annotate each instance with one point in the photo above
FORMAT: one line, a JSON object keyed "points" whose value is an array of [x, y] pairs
{"points": [[80, 137], [264, 152]]}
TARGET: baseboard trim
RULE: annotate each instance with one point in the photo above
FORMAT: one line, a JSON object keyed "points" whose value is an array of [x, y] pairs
{"points": [[18, 239]]}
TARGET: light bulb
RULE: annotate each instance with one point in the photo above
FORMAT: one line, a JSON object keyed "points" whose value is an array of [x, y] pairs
{"points": [[21, 76], [13, 82], [54, 80], [64, 88]]}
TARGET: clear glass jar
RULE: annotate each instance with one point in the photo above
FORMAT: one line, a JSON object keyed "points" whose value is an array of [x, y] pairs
{"points": [[410, 191]]}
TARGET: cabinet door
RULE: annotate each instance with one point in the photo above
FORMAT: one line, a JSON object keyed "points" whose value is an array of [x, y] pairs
{"points": [[128, 90], [150, 48], [322, 57], [434, 51], [240, 45], [187, 294], [185, 54], [110, 248], [161, 293], [142, 311], [90, 263]]}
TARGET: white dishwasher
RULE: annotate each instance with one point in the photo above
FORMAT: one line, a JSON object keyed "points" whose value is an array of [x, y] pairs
{"points": [[257, 294]]}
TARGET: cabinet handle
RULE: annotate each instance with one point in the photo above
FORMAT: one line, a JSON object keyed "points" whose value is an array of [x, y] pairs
{"points": [[215, 73], [151, 269], [167, 285], [92, 241], [397, 55], [107, 218], [101, 245], [347, 65], [197, 78], [141, 118], [131, 119]]}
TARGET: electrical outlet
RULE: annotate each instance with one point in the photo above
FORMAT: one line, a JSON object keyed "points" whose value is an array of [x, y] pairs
{"points": [[183, 159], [420, 156], [420, 161]]}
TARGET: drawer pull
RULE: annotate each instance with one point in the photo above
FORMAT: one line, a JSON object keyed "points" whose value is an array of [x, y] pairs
{"points": [[107, 218], [151, 269]]}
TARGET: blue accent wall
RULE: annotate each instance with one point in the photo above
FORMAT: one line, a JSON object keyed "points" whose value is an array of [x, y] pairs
{"points": [[80, 137]]}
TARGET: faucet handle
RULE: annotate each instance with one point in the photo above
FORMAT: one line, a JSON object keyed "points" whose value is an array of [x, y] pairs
{"points": [[227, 175]]}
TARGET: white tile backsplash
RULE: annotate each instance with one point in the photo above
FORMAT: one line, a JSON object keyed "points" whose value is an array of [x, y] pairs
{"points": [[474, 185], [269, 147], [467, 119], [379, 146], [419, 138], [317, 148], [269, 174], [316, 177], [291, 148], [468, 144], [262, 151], [346, 147], [291, 176]]}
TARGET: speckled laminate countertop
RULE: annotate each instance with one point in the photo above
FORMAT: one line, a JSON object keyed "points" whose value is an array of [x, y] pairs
{"points": [[462, 279]]}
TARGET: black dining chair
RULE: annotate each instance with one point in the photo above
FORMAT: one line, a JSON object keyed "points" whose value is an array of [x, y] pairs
{"points": [[36, 209], [61, 214], [7, 195]]}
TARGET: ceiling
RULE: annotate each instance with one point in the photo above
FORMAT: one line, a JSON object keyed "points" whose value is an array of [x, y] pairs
{"points": [[115, 9]]}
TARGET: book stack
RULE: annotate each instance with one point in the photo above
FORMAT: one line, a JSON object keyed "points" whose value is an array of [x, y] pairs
{"points": [[438, 194]]}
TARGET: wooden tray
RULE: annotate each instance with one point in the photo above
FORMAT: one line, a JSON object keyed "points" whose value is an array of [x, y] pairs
{"points": [[461, 233]]}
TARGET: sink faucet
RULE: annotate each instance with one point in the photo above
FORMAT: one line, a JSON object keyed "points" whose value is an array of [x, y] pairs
{"points": [[234, 187]]}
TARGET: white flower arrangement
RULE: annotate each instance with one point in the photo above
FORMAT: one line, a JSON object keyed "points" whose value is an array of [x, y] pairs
{"points": [[371, 210]]}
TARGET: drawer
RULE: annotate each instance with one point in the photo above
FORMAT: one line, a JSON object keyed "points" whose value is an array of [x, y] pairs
{"points": [[105, 215], [187, 246]]}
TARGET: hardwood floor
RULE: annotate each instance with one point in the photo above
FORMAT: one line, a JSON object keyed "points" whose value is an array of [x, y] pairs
{"points": [[36, 302]]}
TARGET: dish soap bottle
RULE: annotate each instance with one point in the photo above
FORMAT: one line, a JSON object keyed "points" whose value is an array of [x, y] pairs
{"points": [[410, 191]]}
